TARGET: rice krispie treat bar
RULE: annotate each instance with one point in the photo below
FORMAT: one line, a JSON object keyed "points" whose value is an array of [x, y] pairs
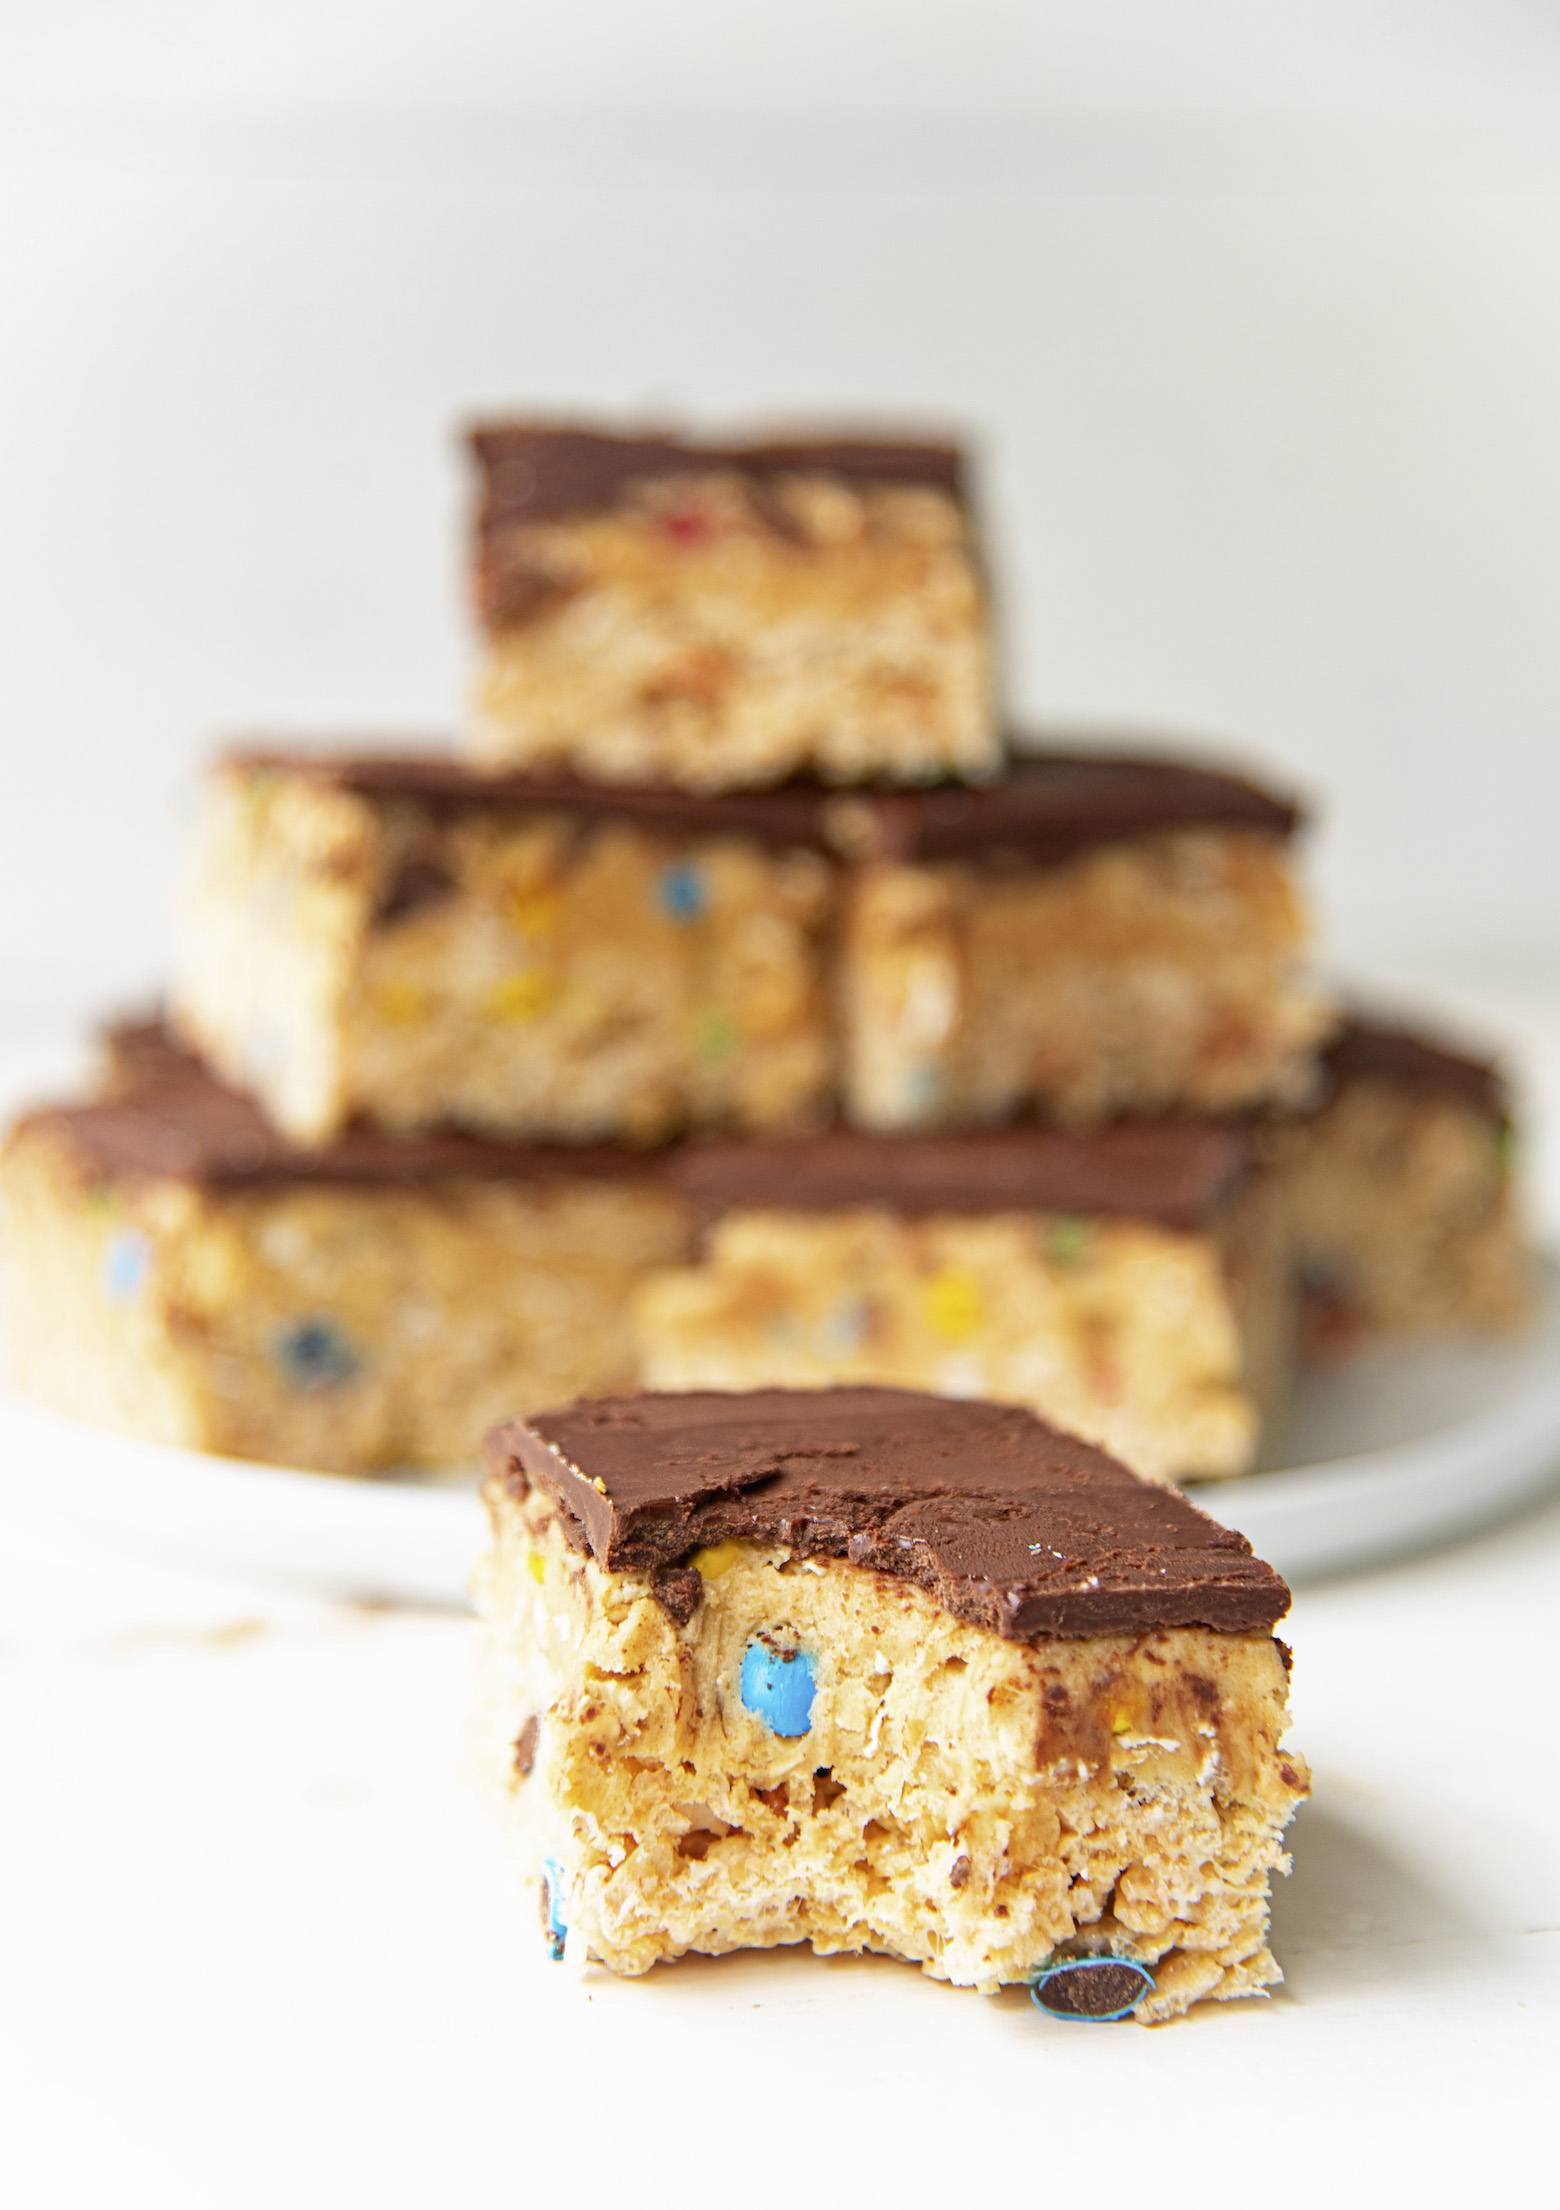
{"points": [[1088, 938], [874, 1671], [1130, 1284], [412, 944], [1402, 1206], [400, 941], [661, 611], [177, 1271]]}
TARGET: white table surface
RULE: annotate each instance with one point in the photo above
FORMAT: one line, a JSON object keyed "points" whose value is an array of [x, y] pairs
{"points": [[259, 1945]]}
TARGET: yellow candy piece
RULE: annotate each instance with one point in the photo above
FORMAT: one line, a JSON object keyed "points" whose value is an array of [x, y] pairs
{"points": [[521, 997], [534, 912], [719, 1558], [1122, 1723], [401, 1003], [951, 1303], [538, 1566]]}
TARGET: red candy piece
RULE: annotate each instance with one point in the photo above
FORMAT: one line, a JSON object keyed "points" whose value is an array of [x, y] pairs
{"points": [[687, 526]]}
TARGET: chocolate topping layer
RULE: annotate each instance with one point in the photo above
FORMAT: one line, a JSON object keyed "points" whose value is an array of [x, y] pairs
{"points": [[1403, 1061], [1049, 806], [795, 814], [1005, 1522], [1045, 808], [534, 473], [166, 1116], [1175, 1172]]}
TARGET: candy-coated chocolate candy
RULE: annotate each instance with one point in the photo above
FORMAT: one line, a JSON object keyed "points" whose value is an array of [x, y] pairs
{"points": [[313, 1354], [715, 1034], [778, 1687], [127, 1260], [521, 997], [682, 893], [1067, 1240], [554, 1925], [951, 1304], [1101, 1989], [715, 1559], [840, 1330], [687, 526]]}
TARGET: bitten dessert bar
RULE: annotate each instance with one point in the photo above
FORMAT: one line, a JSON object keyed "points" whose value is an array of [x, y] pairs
{"points": [[704, 617], [414, 945], [1130, 1284], [177, 1269], [1403, 1214], [875, 1671]]}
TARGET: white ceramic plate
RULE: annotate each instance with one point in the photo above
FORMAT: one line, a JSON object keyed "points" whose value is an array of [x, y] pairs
{"points": [[1403, 1448], [1400, 1449]]}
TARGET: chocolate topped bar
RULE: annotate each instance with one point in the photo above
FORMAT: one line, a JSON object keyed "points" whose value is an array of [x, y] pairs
{"points": [[711, 616], [1404, 1217], [1367, 1052], [1007, 1523], [532, 472], [1044, 808], [1177, 1173]]}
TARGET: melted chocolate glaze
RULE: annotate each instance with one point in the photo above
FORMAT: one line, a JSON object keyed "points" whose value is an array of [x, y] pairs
{"points": [[1046, 807], [1175, 1172], [793, 815], [534, 472], [166, 1115], [1365, 1052], [1043, 809], [1005, 1522]]}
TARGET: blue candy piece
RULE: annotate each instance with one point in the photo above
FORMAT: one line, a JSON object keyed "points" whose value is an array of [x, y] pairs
{"points": [[840, 1330], [554, 1925], [682, 893], [315, 1355], [778, 1687], [924, 1089], [127, 1260], [1097, 1989]]}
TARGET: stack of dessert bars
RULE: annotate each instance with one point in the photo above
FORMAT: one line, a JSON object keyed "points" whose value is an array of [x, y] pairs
{"points": [[736, 1009]]}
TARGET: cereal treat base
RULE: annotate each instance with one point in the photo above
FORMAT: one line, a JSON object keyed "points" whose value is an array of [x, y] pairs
{"points": [[712, 630], [1161, 975], [935, 1793], [1122, 1331], [874, 1671]]}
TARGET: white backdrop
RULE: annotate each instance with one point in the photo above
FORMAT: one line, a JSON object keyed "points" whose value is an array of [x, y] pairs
{"points": [[1255, 314]]}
